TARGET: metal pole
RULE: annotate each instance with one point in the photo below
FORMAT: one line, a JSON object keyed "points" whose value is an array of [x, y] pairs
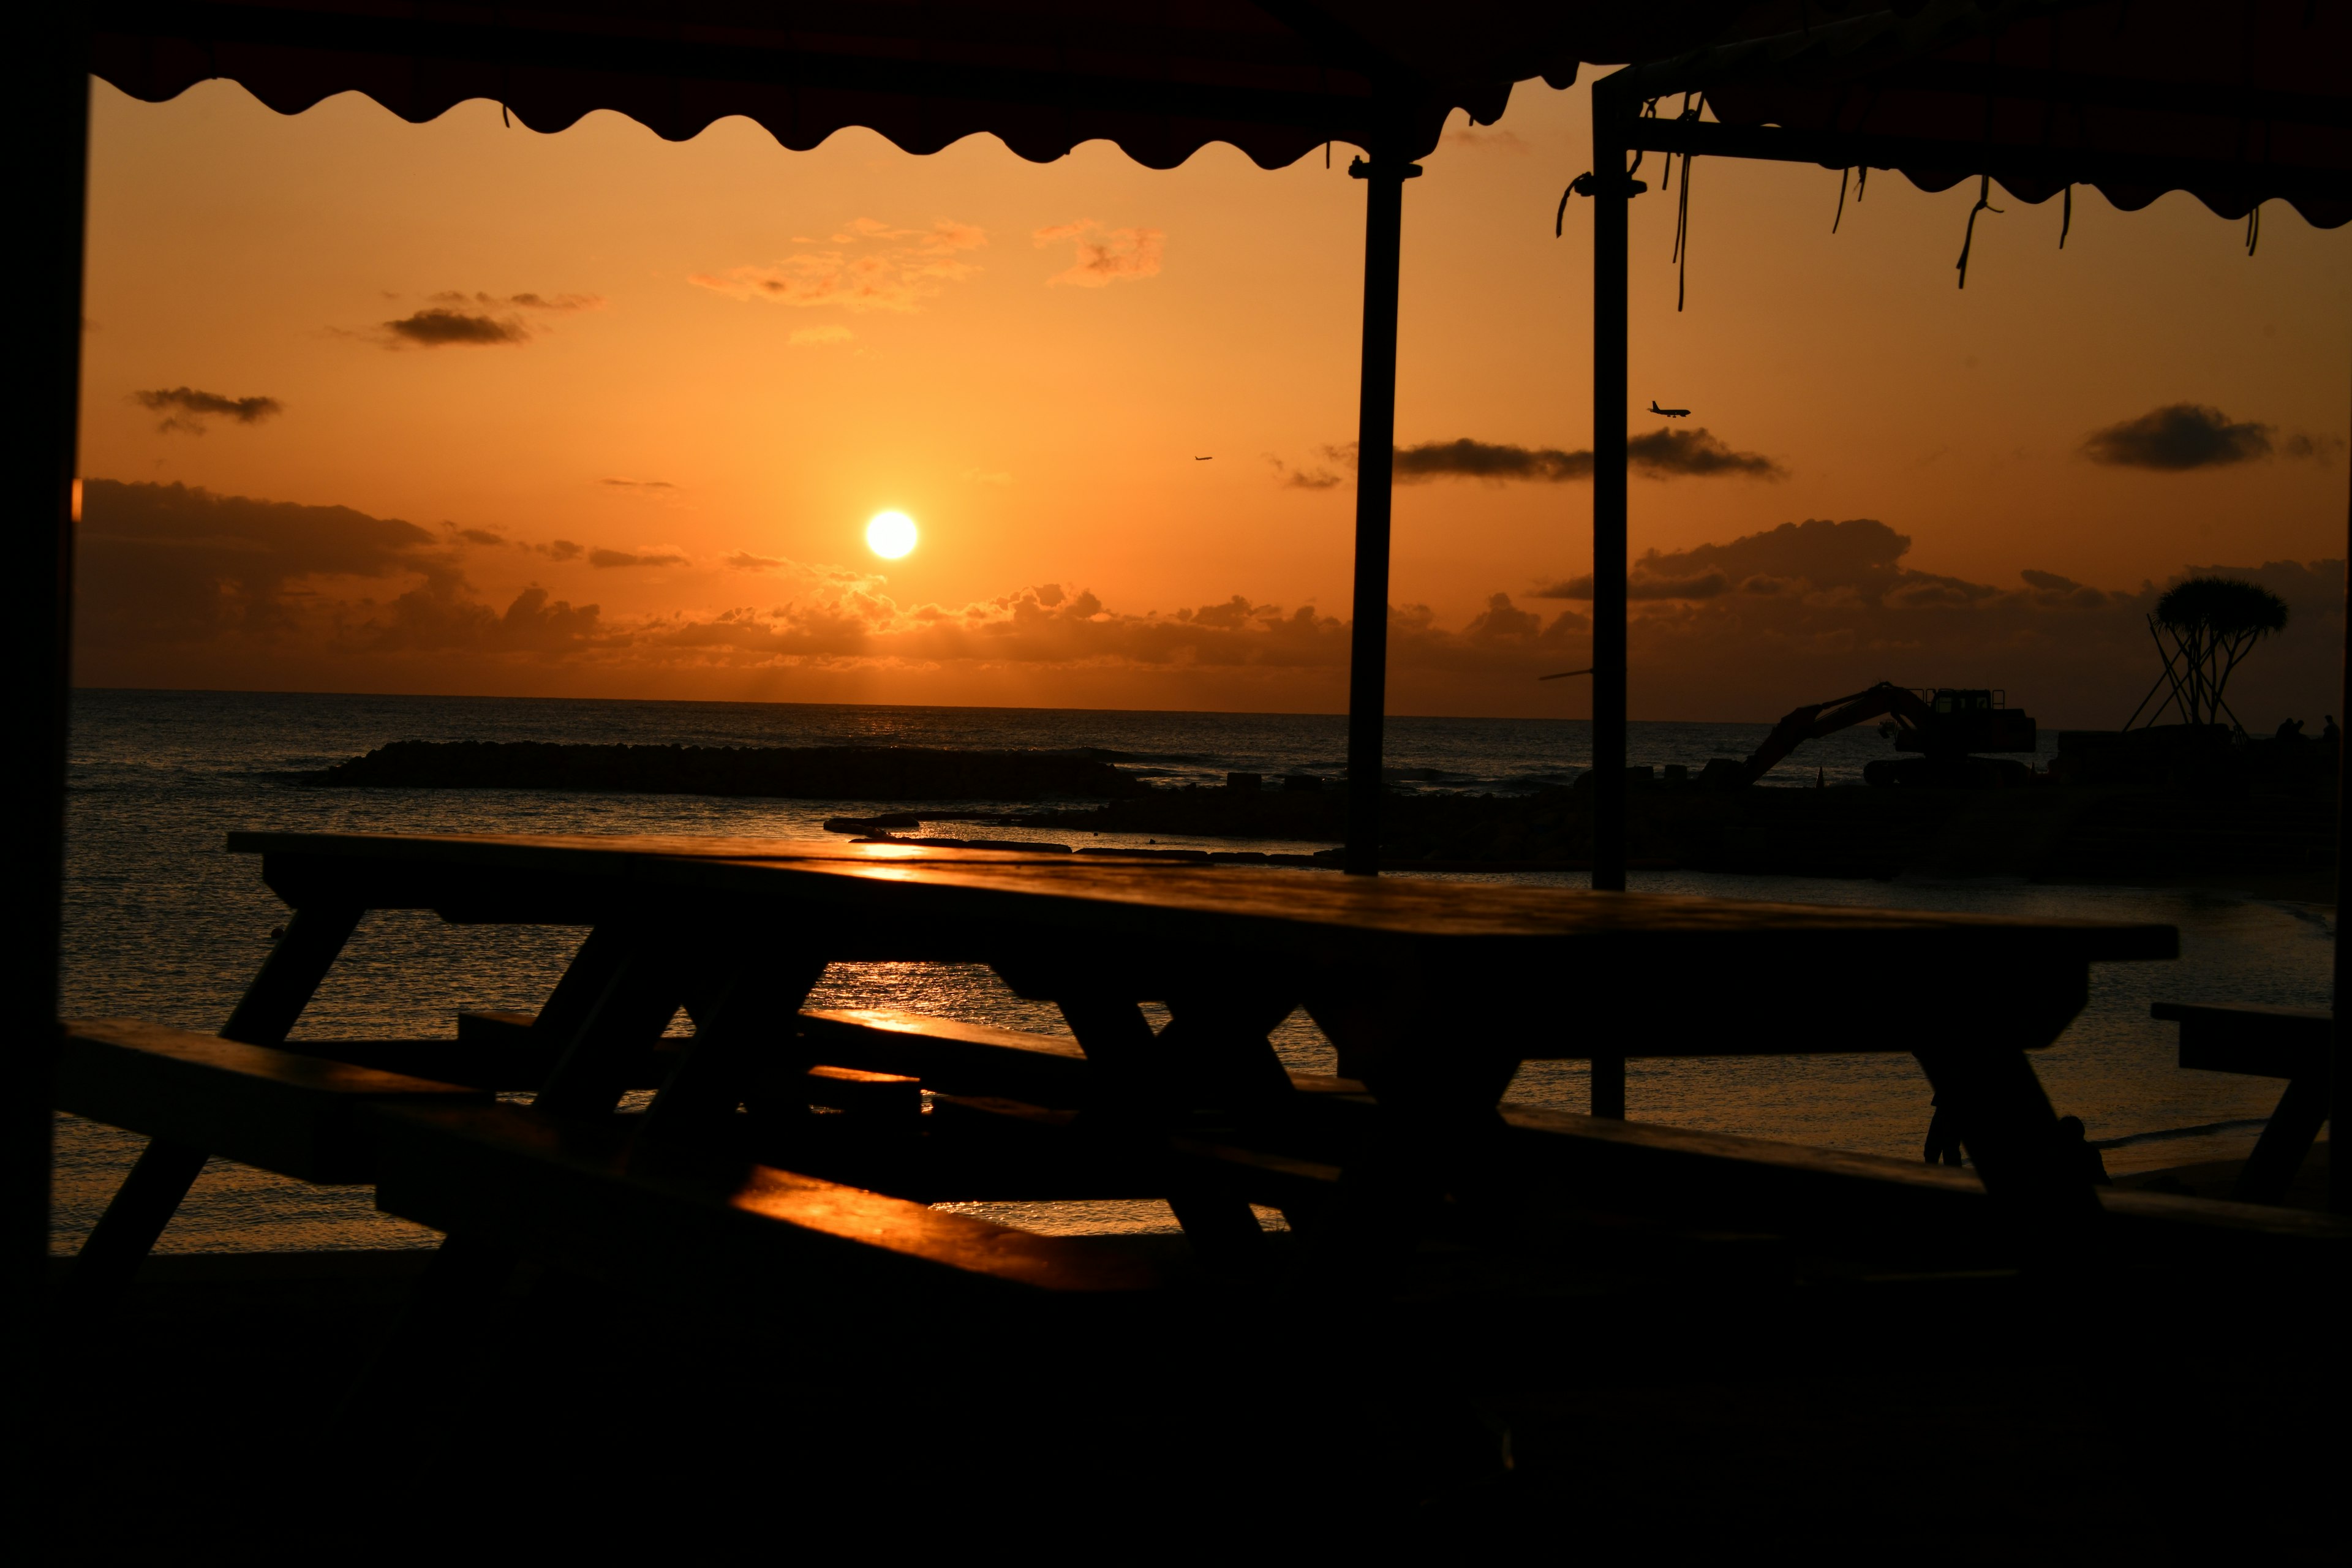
{"points": [[1611, 193], [1368, 654], [49, 111], [2339, 1185]]}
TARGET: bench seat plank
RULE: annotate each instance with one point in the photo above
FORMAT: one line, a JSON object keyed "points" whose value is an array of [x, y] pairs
{"points": [[280, 1111], [582, 1196], [2252, 1039]]}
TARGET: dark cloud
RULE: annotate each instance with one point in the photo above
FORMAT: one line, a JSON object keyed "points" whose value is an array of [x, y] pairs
{"points": [[520, 301], [558, 550], [609, 559], [182, 587], [1696, 454], [1644, 586], [178, 585], [1468, 459], [1654, 454], [440, 329], [745, 561], [2177, 437], [186, 409], [1317, 478], [477, 536]]}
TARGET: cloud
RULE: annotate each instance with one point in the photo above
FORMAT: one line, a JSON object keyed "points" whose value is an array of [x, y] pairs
{"points": [[186, 409], [1655, 454], [608, 560], [1112, 256], [869, 265], [619, 483], [1696, 453], [179, 586], [182, 587], [2177, 437], [1468, 459], [453, 319], [1316, 479], [1470, 133], [558, 550], [818, 337], [439, 328], [476, 535], [1643, 585], [558, 302]]}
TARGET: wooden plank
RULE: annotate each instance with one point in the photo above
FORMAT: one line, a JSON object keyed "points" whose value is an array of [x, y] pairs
{"points": [[1177, 899], [952, 1057], [574, 1195], [278, 1111], [2257, 1040], [509, 1067]]}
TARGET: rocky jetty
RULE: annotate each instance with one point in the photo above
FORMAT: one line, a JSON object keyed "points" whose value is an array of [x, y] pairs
{"points": [[787, 773], [2046, 831]]}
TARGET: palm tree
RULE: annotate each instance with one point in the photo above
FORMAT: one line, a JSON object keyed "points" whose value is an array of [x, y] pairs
{"points": [[2203, 627]]}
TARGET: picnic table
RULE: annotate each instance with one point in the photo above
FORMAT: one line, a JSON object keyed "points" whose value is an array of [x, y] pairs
{"points": [[1432, 993]]}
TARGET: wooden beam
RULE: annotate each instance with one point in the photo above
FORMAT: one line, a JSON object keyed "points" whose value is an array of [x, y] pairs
{"points": [[1367, 649], [48, 131], [1612, 117], [2046, 165]]}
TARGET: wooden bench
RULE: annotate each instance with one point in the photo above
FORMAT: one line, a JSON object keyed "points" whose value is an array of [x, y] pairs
{"points": [[998, 1145], [196, 1096], [2260, 1041], [591, 1197]]}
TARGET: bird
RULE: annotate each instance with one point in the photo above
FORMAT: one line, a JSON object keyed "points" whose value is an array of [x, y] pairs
{"points": [[1210, 458], [1669, 413], [1564, 674]]}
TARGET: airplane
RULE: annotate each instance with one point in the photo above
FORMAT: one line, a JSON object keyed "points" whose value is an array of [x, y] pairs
{"points": [[1564, 674], [1669, 413]]}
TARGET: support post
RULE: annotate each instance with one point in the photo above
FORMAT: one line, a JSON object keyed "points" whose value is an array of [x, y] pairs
{"points": [[2339, 1055], [1368, 653], [49, 116], [1612, 191]]}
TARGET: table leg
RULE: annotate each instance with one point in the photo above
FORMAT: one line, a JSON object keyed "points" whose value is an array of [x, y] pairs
{"points": [[128, 1231], [1213, 1059], [743, 1019], [1439, 1075], [151, 1195], [2271, 1168], [314, 939], [1988, 1096], [640, 991]]}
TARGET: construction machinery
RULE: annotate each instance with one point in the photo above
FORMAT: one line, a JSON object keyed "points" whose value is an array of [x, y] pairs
{"points": [[1949, 726]]}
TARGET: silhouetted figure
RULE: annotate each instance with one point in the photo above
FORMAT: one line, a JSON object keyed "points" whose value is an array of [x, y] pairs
{"points": [[2290, 729], [1669, 413], [2331, 734]]}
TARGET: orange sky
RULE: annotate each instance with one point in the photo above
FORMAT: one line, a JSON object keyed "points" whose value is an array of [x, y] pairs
{"points": [[1028, 359]]}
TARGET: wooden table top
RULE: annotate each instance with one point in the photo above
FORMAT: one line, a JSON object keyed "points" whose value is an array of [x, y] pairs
{"points": [[1107, 898]]}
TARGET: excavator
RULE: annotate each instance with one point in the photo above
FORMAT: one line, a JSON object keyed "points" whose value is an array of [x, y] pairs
{"points": [[1947, 726]]}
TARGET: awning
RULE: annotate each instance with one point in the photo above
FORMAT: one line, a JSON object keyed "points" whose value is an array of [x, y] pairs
{"points": [[1276, 78], [2235, 101]]}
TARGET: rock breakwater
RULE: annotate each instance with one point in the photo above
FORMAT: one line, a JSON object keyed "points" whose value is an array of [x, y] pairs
{"points": [[786, 772]]}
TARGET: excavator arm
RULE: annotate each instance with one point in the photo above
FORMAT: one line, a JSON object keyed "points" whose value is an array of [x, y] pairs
{"points": [[1815, 720]]}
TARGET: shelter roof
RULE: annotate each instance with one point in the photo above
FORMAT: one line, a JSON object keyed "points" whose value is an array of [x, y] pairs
{"points": [[2237, 101], [1274, 77]]}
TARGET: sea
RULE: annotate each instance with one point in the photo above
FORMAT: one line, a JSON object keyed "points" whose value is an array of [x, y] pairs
{"points": [[163, 923]]}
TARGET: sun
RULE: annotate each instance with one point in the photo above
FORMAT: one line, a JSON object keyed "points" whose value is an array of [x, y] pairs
{"points": [[890, 535]]}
